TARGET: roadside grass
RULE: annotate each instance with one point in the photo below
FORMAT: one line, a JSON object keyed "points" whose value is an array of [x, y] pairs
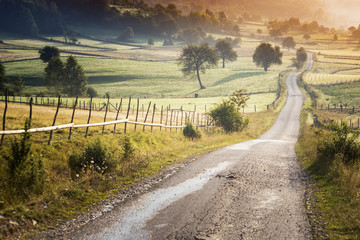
{"points": [[336, 191], [337, 186]]}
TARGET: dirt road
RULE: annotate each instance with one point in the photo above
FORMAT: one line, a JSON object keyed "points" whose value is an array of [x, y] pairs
{"points": [[251, 190]]}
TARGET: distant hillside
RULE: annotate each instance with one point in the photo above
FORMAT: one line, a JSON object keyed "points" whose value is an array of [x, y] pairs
{"points": [[272, 9]]}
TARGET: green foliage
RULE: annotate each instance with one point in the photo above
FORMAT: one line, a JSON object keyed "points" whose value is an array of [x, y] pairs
{"points": [[265, 56], [91, 92], [54, 74], [3, 78], [128, 149], [191, 132], [151, 42], [225, 51], [239, 98], [26, 175], [127, 35], [227, 116], [301, 55], [47, 52], [18, 86], [197, 58], [289, 42], [95, 158], [74, 78], [342, 144]]}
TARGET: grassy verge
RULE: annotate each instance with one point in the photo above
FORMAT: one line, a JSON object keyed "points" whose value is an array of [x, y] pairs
{"points": [[337, 187]]}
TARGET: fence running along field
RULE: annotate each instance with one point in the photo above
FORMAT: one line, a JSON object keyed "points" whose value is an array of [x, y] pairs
{"points": [[161, 118]]}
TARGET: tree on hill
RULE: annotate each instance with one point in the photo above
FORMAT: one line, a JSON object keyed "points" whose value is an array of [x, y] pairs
{"points": [[197, 58], [289, 42], [225, 51], [47, 52], [265, 55], [74, 78], [3, 79]]}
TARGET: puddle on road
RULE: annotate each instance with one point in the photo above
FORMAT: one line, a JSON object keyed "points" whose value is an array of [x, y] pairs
{"points": [[248, 144], [130, 227]]}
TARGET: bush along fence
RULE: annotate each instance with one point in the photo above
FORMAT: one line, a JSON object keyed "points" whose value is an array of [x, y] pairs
{"points": [[165, 119]]}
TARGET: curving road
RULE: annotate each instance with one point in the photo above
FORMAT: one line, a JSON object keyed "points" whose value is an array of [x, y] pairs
{"points": [[251, 190]]}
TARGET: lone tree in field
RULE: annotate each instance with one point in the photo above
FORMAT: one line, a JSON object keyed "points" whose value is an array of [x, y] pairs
{"points": [[197, 58], [3, 79], [74, 78], [47, 52], [225, 51], [265, 55], [289, 42]]}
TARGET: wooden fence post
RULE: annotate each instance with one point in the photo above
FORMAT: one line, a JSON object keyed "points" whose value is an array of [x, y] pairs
{"points": [[161, 116], [106, 110], [73, 115], [166, 121], [88, 121], [147, 113], [127, 114], [137, 113], [171, 118], [177, 118], [56, 113], [30, 105], [4, 116], [117, 114], [153, 115]]}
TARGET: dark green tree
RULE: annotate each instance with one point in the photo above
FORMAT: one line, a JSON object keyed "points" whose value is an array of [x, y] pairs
{"points": [[3, 79], [225, 51], [127, 35], [54, 75], [151, 42], [265, 55], [47, 52], [301, 55], [196, 59], [74, 78], [289, 42], [18, 86]]}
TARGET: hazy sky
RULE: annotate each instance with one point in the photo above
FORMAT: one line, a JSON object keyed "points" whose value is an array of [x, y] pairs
{"points": [[343, 12]]}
